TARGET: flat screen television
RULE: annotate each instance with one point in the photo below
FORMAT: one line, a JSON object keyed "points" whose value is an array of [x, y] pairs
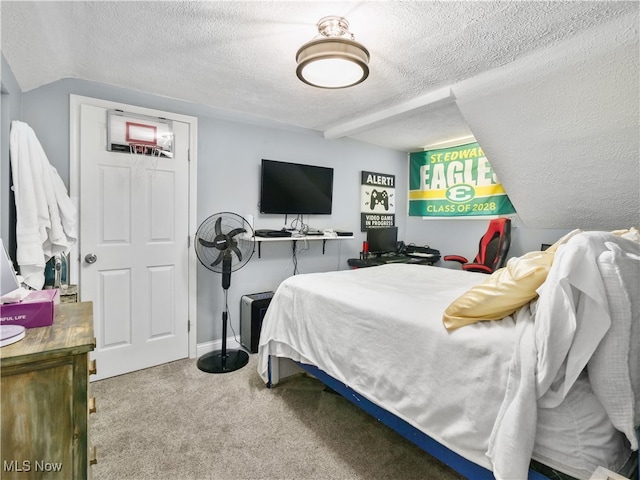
{"points": [[294, 188], [382, 240]]}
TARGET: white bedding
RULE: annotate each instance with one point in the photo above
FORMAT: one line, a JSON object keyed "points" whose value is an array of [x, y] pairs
{"points": [[319, 319], [474, 389]]}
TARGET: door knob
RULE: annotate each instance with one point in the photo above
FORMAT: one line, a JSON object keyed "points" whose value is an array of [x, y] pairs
{"points": [[90, 258]]}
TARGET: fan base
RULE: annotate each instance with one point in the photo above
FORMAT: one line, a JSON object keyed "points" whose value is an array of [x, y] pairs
{"points": [[216, 362]]}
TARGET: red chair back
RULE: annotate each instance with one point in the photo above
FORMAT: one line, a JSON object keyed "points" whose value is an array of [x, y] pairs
{"points": [[494, 244]]}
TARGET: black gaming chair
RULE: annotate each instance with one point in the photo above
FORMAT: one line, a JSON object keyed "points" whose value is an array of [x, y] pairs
{"points": [[492, 253]]}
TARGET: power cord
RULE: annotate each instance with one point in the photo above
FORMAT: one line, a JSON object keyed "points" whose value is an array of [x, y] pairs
{"points": [[299, 225], [226, 307], [295, 251]]}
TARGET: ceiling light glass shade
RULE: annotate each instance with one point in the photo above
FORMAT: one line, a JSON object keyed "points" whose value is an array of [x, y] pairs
{"points": [[332, 63]]}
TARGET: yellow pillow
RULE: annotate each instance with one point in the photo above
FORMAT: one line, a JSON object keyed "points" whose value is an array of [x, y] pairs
{"points": [[509, 288], [502, 293]]}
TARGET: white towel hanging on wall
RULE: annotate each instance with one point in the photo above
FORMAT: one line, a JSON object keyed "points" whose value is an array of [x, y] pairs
{"points": [[45, 216]]}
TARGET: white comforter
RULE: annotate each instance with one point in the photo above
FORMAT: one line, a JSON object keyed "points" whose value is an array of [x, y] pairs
{"points": [[319, 319], [476, 389]]}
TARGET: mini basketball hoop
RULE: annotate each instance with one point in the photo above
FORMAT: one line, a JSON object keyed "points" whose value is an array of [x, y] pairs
{"points": [[145, 149], [139, 134]]}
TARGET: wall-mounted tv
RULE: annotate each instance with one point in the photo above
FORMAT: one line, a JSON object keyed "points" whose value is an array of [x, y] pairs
{"points": [[293, 188]]}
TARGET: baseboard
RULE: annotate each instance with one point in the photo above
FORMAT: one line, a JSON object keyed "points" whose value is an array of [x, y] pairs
{"points": [[214, 345]]}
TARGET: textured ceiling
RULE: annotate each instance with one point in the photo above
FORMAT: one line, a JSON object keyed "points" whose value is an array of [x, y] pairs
{"points": [[239, 58]]}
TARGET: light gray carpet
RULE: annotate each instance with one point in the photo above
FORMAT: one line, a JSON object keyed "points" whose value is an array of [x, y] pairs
{"points": [[176, 422]]}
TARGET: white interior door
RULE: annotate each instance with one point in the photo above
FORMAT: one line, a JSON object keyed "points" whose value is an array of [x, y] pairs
{"points": [[134, 251]]}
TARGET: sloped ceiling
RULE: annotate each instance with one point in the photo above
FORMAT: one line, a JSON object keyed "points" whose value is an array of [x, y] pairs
{"points": [[549, 89], [562, 130]]}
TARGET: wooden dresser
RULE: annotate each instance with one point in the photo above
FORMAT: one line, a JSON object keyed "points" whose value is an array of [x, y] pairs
{"points": [[44, 400]]}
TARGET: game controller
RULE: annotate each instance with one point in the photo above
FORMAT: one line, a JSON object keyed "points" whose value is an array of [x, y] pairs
{"points": [[381, 198]]}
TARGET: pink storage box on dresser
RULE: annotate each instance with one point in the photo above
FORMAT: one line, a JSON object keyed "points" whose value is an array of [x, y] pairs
{"points": [[37, 309]]}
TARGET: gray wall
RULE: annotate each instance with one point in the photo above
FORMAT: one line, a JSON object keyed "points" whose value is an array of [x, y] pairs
{"points": [[229, 152], [461, 237], [228, 179]]}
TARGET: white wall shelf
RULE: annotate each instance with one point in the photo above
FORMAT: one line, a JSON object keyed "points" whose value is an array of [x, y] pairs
{"points": [[297, 238]]}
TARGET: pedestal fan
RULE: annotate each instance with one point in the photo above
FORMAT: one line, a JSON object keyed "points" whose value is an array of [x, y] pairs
{"points": [[224, 243]]}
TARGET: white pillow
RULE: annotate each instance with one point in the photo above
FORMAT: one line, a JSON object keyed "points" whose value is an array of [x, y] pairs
{"points": [[614, 368]]}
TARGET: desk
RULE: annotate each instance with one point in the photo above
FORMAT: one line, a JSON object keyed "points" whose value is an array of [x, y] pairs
{"points": [[375, 261]]}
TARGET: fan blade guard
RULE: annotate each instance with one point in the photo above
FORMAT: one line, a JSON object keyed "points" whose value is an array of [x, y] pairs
{"points": [[224, 233]]}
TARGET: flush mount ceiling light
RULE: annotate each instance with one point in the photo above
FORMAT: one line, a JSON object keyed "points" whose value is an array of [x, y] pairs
{"points": [[333, 61]]}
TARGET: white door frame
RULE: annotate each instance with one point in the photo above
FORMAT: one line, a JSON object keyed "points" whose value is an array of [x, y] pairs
{"points": [[74, 190]]}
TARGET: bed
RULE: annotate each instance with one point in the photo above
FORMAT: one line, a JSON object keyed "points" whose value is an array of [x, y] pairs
{"points": [[556, 382]]}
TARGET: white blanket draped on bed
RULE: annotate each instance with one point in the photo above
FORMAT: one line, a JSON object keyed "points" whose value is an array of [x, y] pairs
{"points": [[45, 215], [572, 316], [573, 288], [514, 432]]}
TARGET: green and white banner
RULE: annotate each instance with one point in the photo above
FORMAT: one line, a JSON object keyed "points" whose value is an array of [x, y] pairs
{"points": [[455, 182]]}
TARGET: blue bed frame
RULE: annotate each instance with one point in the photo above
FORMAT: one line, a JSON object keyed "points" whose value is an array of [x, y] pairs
{"points": [[458, 463]]}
